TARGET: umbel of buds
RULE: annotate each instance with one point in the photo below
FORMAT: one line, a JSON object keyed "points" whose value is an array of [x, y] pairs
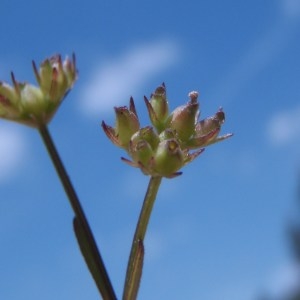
{"points": [[35, 105], [165, 147]]}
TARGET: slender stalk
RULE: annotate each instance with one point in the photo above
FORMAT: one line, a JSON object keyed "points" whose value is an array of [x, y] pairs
{"points": [[133, 275], [81, 225]]}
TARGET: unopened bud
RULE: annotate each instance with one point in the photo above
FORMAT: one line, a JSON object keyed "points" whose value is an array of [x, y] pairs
{"points": [[146, 134], [127, 124], [168, 158], [158, 108], [184, 118], [207, 131]]}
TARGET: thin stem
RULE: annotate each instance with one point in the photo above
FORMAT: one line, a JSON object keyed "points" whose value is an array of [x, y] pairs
{"points": [[96, 265], [133, 275]]}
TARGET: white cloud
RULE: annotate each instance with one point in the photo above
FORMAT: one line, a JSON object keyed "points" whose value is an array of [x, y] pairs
{"points": [[284, 281], [258, 57], [115, 81], [262, 52], [291, 8], [12, 146], [284, 127]]}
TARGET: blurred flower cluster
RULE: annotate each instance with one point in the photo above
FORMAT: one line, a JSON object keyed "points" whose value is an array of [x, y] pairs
{"points": [[35, 105], [165, 147]]}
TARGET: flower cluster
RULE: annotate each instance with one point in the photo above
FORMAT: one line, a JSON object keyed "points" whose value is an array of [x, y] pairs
{"points": [[35, 105], [164, 148]]}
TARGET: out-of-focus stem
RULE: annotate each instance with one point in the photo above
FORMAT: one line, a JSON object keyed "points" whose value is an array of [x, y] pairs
{"points": [[94, 261]]}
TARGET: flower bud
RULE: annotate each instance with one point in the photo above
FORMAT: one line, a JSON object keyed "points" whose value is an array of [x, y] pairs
{"points": [[210, 124], [127, 124], [142, 145], [141, 153], [168, 158], [55, 77], [207, 130], [167, 134], [184, 118], [146, 134], [158, 107]]}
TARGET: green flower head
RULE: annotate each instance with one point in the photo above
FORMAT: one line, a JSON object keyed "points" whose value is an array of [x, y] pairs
{"points": [[35, 105], [162, 150]]}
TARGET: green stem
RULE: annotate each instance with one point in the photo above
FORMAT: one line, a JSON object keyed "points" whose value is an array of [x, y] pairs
{"points": [[96, 265], [133, 275]]}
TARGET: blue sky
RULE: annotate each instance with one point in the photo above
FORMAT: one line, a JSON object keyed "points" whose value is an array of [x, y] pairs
{"points": [[218, 231]]}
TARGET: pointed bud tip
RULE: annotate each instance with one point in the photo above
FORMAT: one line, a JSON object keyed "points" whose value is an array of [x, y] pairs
{"points": [[161, 90], [120, 109], [132, 106], [193, 96], [103, 124]]}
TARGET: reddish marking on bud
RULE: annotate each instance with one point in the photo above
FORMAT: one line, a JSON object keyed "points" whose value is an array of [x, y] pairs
{"points": [[176, 174], [161, 90], [120, 109], [53, 86], [129, 162], [15, 83], [4, 100], [220, 115], [54, 59], [59, 60], [149, 107], [74, 61], [36, 72], [110, 133], [191, 156], [54, 73], [212, 135], [132, 106]]}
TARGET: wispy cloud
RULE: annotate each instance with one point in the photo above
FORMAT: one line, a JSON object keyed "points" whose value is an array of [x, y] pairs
{"points": [[284, 281], [120, 77], [284, 127], [291, 8], [262, 52], [12, 148]]}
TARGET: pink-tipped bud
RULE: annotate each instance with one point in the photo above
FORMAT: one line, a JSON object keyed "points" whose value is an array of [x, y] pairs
{"points": [[207, 131], [184, 118]]}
